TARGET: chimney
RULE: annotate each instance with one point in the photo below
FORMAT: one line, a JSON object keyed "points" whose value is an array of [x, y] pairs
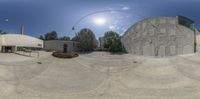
{"points": [[22, 29]]}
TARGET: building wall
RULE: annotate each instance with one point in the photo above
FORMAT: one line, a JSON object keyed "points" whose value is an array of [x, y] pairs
{"points": [[101, 42], [18, 40], [159, 36], [1, 43], [58, 45], [198, 41]]}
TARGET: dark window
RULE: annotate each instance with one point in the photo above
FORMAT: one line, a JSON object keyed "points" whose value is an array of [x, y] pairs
{"points": [[186, 22]]}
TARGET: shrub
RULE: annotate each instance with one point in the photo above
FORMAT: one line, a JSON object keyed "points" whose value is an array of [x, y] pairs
{"points": [[65, 55], [49, 50]]}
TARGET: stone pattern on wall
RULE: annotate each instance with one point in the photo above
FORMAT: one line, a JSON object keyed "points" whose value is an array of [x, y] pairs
{"points": [[159, 36]]}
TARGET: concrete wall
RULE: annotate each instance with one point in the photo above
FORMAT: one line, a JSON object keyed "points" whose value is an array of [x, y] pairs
{"points": [[58, 45], [1, 43], [198, 41], [159, 36]]}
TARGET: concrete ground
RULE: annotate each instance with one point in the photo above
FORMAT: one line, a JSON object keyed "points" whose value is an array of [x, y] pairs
{"points": [[99, 75]]}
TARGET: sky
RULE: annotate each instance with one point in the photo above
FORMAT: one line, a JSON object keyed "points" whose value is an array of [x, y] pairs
{"points": [[42, 16]]}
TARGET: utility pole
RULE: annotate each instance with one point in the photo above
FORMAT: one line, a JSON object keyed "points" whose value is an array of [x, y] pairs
{"points": [[22, 29]]}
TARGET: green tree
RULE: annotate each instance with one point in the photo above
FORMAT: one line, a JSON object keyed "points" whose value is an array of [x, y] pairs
{"points": [[51, 36], [75, 38], [87, 40], [2, 32], [41, 37], [64, 38], [112, 41]]}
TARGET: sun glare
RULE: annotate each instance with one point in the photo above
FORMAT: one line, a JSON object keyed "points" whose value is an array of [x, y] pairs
{"points": [[99, 21]]}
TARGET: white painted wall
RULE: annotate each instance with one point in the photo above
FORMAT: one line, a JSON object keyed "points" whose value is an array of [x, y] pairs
{"points": [[20, 40], [57, 45]]}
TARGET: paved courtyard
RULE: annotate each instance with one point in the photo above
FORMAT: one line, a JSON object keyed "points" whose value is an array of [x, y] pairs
{"points": [[99, 75]]}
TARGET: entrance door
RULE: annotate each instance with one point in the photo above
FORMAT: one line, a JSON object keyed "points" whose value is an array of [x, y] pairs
{"points": [[161, 51], [65, 46], [8, 49]]}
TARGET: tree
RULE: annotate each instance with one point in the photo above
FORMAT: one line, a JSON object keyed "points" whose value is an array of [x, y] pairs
{"points": [[87, 40], [51, 36], [65, 38], [75, 38], [41, 37], [112, 41], [2, 32]]}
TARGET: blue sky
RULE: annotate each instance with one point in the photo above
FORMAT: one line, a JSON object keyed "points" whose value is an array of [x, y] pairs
{"points": [[42, 16]]}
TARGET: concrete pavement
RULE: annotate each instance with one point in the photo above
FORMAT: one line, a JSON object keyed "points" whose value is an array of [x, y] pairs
{"points": [[100, 75]]}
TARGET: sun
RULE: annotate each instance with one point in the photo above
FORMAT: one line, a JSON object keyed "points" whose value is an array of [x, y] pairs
{"points": [[100, 21]]}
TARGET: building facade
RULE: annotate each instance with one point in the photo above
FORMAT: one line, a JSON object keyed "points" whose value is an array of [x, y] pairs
{"points": [[160, 37], [198, 41], [101, 42], [12, 42], [61, 45]]}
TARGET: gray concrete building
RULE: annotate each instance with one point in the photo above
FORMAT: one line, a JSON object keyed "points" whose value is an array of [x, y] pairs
{"points": [[198, 41], [160, 37], [61, 45]]}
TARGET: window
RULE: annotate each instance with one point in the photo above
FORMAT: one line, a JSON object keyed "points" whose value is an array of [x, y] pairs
{"points": [[186, 22]]}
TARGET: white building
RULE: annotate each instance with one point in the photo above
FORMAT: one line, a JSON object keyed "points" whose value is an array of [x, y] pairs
{"points": [[11, 42], [61, 45]]}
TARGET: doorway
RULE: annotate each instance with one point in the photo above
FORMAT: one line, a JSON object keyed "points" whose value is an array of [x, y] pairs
{"points": [[8, 49], [65, 47]]}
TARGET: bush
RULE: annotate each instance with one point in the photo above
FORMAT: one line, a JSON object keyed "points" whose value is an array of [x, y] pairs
{"points": [[65, 55]]}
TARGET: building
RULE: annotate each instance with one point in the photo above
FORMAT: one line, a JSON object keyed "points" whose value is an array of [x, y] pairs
{"points": [[101, 42], [198, 40], [13, 42], [61, 45], [160, 37]]}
